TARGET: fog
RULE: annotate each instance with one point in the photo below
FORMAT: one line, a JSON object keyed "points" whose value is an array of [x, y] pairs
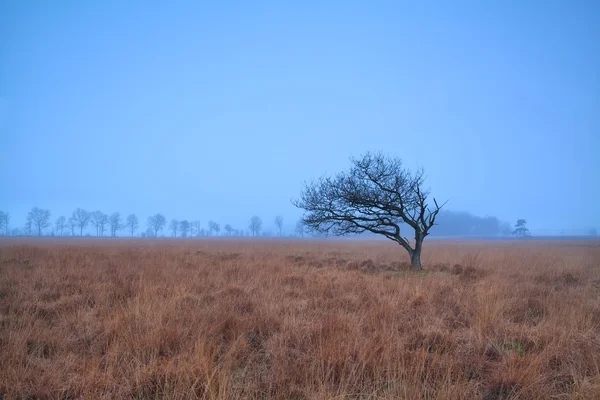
{"points": [[221, 111]]}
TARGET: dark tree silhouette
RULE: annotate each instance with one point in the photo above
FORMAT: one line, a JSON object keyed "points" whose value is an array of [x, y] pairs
{"points": [[228, 229], [376, 194], [39, 218], [521, 228]]}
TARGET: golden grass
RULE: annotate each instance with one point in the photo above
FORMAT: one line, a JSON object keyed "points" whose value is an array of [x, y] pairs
{"points": [[185, 319]]}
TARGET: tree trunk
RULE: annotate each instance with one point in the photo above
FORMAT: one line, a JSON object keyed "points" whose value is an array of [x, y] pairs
{"points": [[415, 260], [415, 255]]}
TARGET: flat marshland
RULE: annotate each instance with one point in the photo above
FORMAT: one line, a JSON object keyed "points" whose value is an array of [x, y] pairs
{"points": [[228, 319]]}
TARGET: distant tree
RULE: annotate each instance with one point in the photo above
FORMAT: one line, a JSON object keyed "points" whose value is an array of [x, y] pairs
{"points": [[28, 225], [255, 225], [99, 221], [195, 228], [4, 219], [202, 232], [184, 228], [132, 223], [279, 224], [61, 223], [72, 224], [39, 218], [228, 229], [593, 232], [300, 228], [80, 218], [375, 195], [156, 223], [174, 226], [115, 222], [521, 228], [214, 227]]}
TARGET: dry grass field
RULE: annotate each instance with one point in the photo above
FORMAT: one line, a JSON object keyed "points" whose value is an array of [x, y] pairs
{"points": [[229, 319]]}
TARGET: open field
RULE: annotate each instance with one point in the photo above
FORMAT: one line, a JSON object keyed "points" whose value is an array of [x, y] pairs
{"points": [[187, 319]]}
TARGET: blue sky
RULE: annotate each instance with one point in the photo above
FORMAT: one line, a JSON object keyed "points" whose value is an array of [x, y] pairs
{"points": [[220, 110]]}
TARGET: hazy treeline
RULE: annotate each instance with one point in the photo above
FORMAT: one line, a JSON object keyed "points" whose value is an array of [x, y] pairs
{"points": [[451, 223], [97, 223], [81, 222]]}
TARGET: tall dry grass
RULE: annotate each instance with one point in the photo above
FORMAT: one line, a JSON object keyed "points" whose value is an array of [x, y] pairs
{"points": [[298, 320]]}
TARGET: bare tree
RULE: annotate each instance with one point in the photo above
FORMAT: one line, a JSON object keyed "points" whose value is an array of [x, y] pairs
{"points": [[279, 224], [377, 194], [174, 226], [255, 225], [116, 223], [195, 228], [214, 227], [72, 224], [61, 222], [184, 228], [156, 223], [99, 221], [228, 229], [132, 223], [81, 218], [300, 228], [4, 219], [39, 218]]}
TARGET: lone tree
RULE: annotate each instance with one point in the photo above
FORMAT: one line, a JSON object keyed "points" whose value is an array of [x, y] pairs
{"points": [[228, 229], [40, 218], [377, 194], [521, 228]]}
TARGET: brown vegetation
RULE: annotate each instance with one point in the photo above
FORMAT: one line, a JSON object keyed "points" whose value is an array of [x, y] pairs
{"points": [[298, 320]]}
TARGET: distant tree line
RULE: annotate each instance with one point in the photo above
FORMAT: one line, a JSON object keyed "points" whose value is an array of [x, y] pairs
{"points": [[452, 223], [97, 223]]}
